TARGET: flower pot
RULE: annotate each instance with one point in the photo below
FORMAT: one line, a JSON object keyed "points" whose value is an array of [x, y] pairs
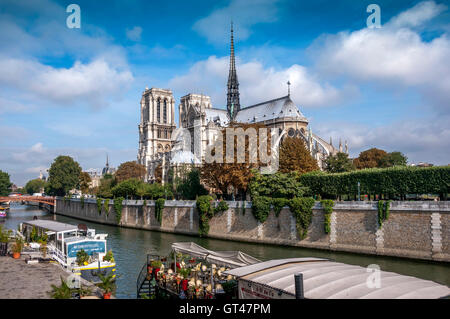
{"points": [[107, 295], [16, 255], [184, 284]]}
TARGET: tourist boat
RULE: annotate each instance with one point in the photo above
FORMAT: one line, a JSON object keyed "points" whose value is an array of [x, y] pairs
{"points": [[317, 278], [66, 241], [3, 211], [198, 274]]}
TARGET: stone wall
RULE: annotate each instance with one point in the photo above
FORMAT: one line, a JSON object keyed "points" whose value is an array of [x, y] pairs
{"points": [[413, 230]]}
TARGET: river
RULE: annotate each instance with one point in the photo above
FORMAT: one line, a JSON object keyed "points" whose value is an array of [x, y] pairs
{"points": [[130, 247]]}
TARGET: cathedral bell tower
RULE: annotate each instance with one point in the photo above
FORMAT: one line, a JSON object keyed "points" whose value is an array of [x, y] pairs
{"points": [[233, 104]]}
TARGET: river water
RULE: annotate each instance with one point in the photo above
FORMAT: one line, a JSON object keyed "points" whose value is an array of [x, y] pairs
{"points": [[130, 247]]}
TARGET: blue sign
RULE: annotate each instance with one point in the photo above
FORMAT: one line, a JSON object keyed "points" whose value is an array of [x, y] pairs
{"points": [[90, 247]]}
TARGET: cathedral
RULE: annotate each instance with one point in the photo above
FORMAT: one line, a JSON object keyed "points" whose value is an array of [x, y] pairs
{"points": [[159, 141]]}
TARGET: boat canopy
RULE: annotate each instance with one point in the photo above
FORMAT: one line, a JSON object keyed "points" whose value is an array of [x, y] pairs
{"points": [[325, 279], [51, 225], [230, 259]]}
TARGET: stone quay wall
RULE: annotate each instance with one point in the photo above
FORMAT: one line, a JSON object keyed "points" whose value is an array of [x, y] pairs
{"points": [[419, 230]]}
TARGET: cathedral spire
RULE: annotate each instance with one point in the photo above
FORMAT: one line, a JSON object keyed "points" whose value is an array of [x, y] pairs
{"points": [[233, 104]]}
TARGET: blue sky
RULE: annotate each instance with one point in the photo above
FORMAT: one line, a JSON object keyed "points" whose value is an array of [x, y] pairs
{"points": [[77, 91]]}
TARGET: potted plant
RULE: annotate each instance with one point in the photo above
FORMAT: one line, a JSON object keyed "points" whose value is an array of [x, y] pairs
{"points": [[17, 247], [109, 257], [185, 273], [4, 238], [82, 257], [156, 265], [61, 292], [107, 285]]}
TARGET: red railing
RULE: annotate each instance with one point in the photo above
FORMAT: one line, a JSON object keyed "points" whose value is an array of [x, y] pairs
{"points": [[37, 199]]}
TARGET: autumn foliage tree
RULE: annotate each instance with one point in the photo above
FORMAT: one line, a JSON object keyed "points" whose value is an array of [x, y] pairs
{"points": [[295, 157], [222, 177], [85, 180], [370, 158], [129, 170]]}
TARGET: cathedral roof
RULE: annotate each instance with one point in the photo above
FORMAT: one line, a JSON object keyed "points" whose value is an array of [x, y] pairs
{"points": [[217, 115], [273, 109]]}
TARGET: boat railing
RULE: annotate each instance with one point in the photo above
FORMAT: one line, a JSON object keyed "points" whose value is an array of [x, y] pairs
{"points": [[57, 255]]}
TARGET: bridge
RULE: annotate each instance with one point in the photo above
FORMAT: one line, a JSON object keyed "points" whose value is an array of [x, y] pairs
{"points": [[37, 199]]}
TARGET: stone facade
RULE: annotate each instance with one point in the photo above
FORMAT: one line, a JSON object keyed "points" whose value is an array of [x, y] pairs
{"points": [[201, 121], [408, 232], [155, 129]]}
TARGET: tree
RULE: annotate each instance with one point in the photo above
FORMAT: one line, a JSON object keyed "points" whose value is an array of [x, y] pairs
{"points": [[129, 170], [370, 158], [106, 184], [190, 187], [278, 185], [34, 186], [294, 157], [338, 163], [127, 188], [5, 184], [63, 176], [85, 180], [221, 177], [394, 159]]}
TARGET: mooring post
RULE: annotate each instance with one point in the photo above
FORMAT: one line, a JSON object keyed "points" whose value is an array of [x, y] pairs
{"points": [[299, 292]]}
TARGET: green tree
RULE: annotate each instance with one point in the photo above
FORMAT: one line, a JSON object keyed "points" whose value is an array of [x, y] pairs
{"points": [[5, 184], [63, 176], [34, 186], [338, 163], [106, 184], [126, 189], [190, 187], [394, 159], [278, 185]]}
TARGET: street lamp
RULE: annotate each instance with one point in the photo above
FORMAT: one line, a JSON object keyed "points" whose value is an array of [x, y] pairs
{"points": [[359, 196]]}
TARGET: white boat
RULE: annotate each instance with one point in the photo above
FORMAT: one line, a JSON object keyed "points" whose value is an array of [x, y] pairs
{"points": [[3, 211], [65, 241], [317, 278]]}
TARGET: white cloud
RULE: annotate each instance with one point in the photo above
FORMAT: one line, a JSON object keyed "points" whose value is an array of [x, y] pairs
{"points": [[394, 57], [93, 82], [256, 83], [244, 14], [417, 15], [426, 140], [134, 34], [37, 170]]}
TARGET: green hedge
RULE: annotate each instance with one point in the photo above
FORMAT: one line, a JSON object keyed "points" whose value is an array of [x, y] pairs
{"points": [[390, 181]]}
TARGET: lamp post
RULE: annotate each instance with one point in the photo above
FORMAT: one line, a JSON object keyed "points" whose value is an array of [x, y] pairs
{"points": [[359, 196]]}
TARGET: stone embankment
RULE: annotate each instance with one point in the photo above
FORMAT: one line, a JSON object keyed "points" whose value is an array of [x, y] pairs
{"points": [[419, 230]]}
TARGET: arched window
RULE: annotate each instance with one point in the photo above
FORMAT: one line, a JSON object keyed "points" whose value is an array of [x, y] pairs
{"points": [[165, 111], [158, 110], [146, 108]]}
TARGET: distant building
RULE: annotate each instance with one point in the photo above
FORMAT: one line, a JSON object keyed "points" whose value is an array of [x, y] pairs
{"points": [[107, 169], [422, 164]]}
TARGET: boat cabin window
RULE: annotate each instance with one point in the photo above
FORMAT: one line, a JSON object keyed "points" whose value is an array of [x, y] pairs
{"points": [[70, 234]]}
